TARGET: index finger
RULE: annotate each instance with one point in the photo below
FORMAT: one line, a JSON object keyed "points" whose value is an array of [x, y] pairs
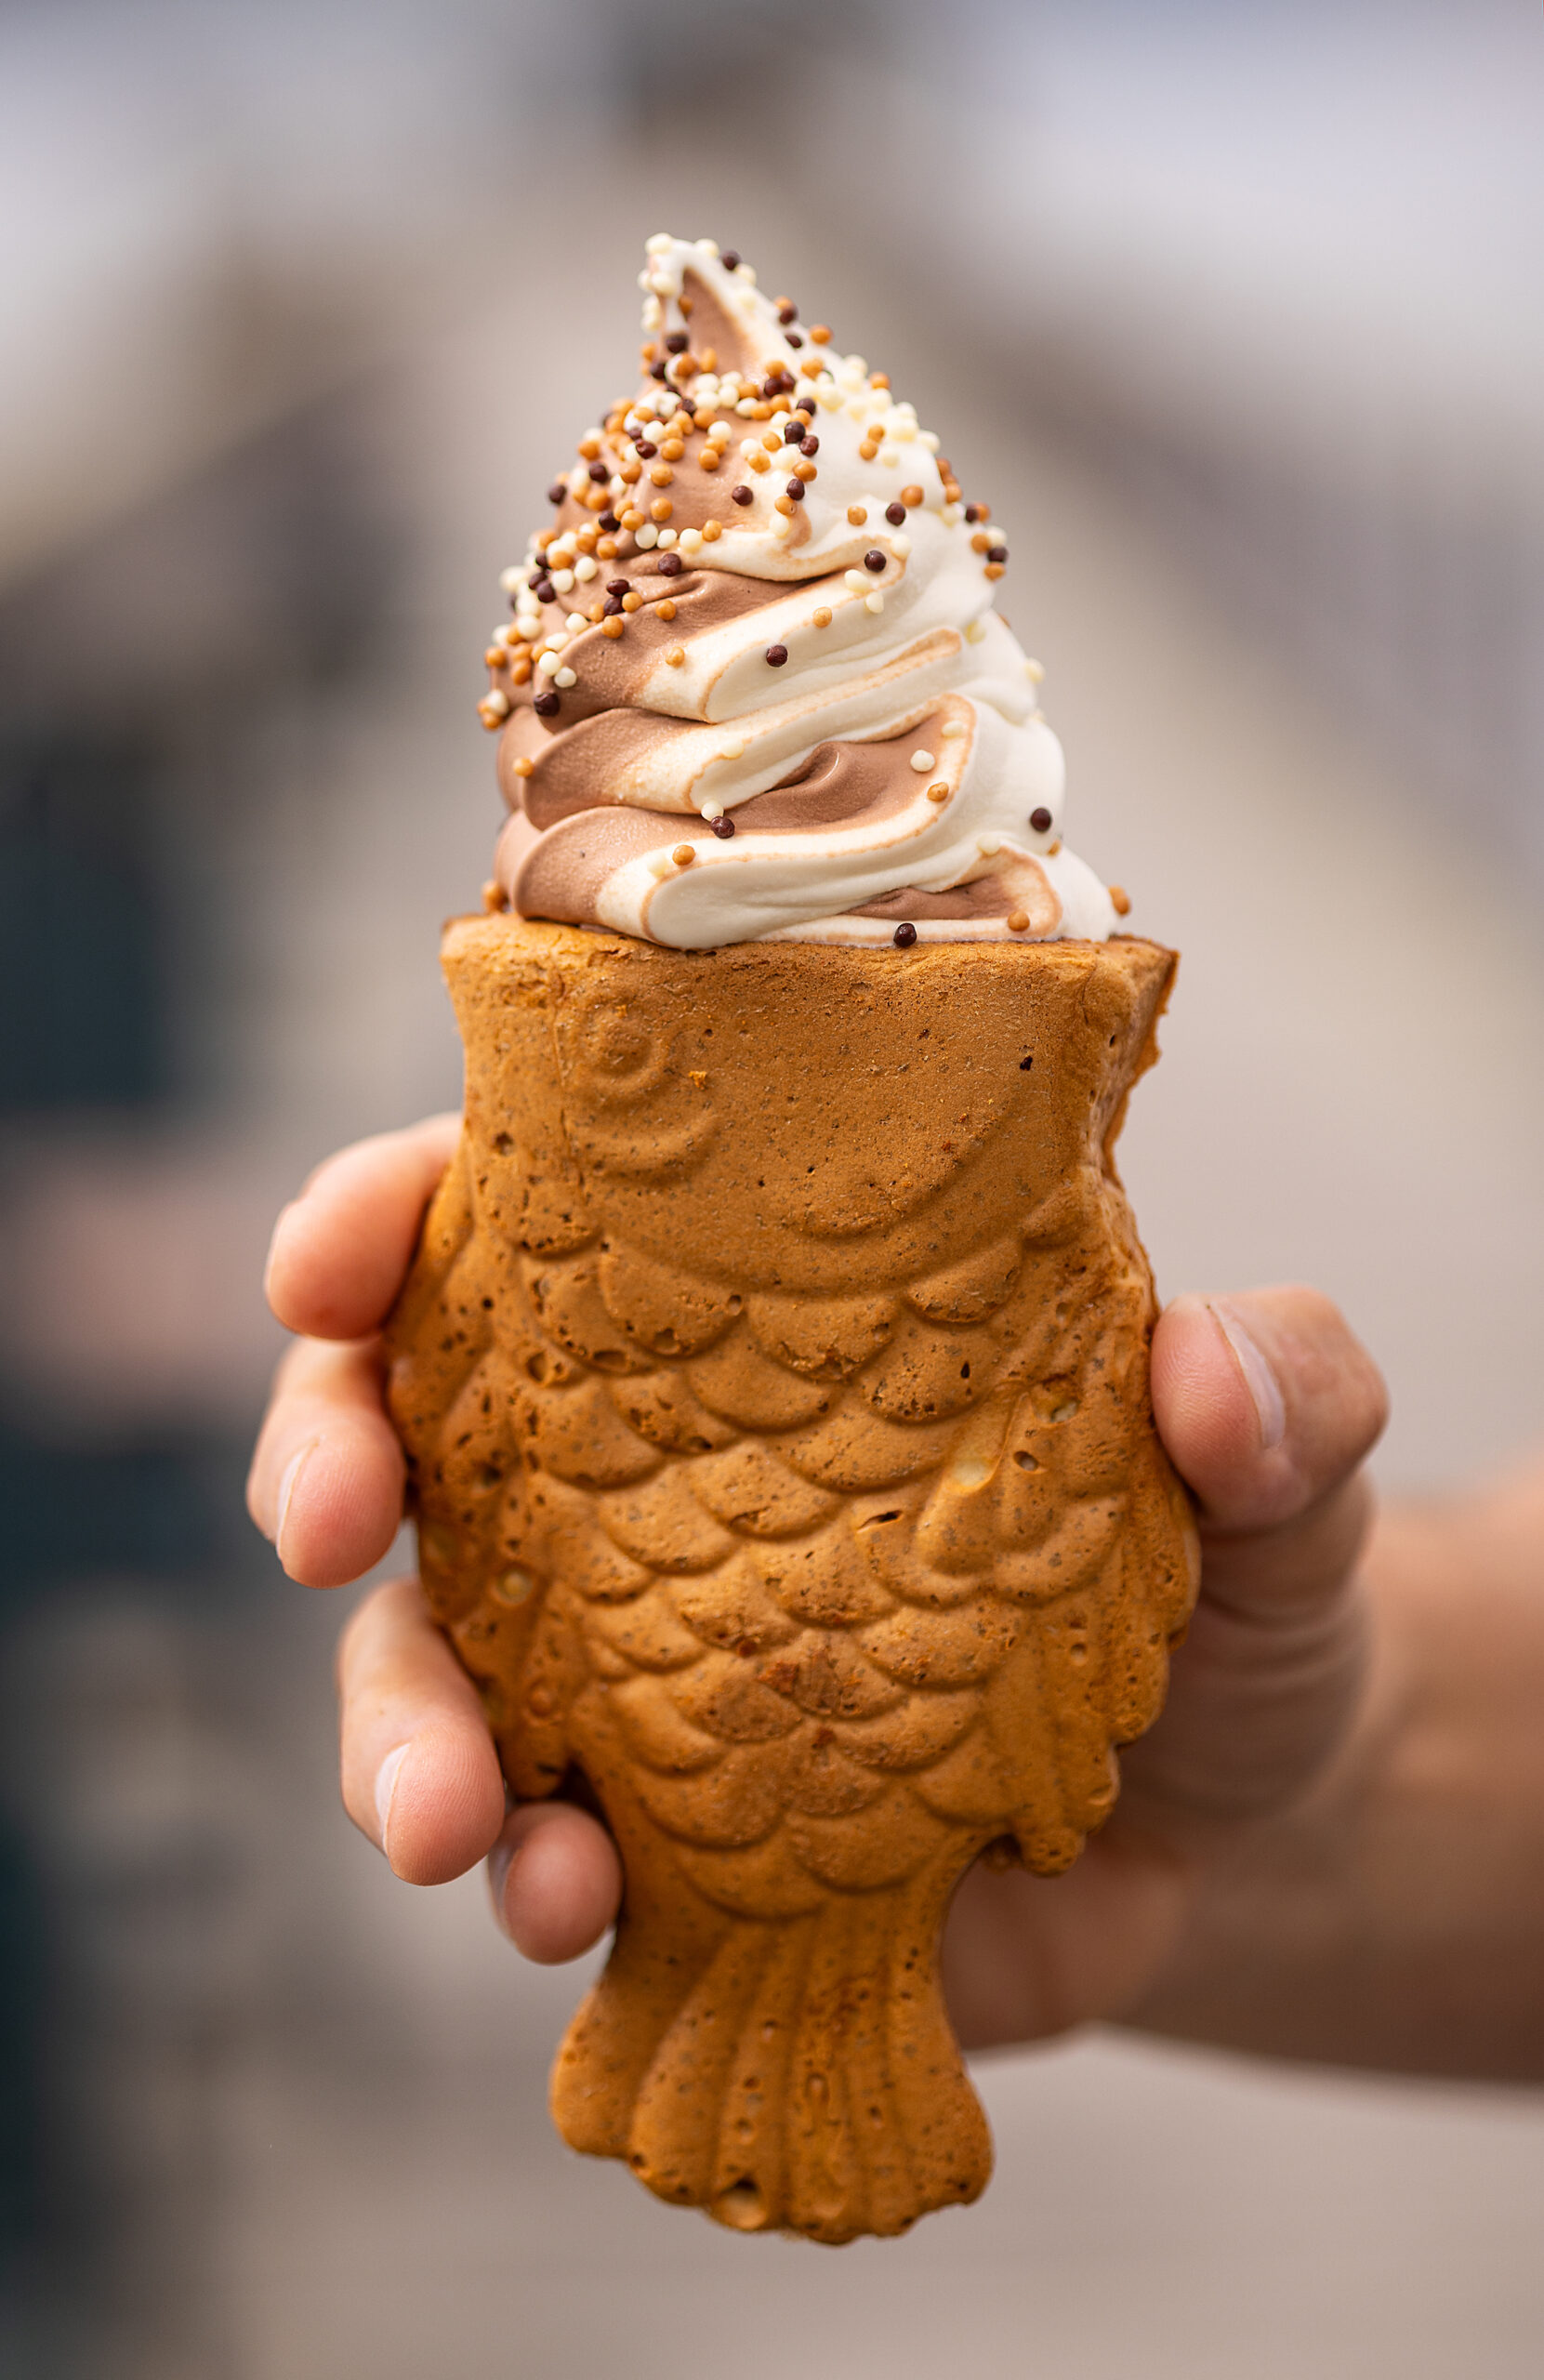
{"points": [[342, 1249]]}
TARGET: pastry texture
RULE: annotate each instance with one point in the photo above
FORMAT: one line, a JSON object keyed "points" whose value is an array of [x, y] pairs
{"points": [[773, 1375]]}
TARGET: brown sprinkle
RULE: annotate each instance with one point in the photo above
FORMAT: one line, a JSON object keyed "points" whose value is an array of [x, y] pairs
{"points": [[684, 854], [1120, 900]]}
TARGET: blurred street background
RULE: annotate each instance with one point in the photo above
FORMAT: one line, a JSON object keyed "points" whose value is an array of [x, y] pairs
{"points": [[1232, 309]]}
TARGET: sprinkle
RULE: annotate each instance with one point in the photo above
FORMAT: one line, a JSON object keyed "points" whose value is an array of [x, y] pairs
{"points": [[786, 310], [495, 658], [493, 708], [585, 567], [548, 705], [1018, 921], [733, 750], [556, 491], [996, 553], [740, 495], [810, 445], [711, 809], [690, 541], [548, 664], [911, 496], [661, 509], [575, 623], [974, 631], [874, 559], [951, 728], [612, 627], [819, 333], [867, 450], [523, 767], [618, 586], [1040, 820], [563, 581], [648, 536], [823, 616], [670, 565], [782, 522], [730, 260], [784, 504], [722, 827], [1120, 900], [684, 854], [794, 491], [565, 677], [1034, 671], [776, 655], [667, 537], [666, 610], [632, 518], [710, 458], [759, 459], [993, 570], [895, 514], [938, 792], [975, 511], [632, 600], [922, 761], [900, 546], [879, 380], [874, 602], [676, 656], [660, 474], [712, 531], [857, 514], [904, 936], [855, 579], [793, 430]]}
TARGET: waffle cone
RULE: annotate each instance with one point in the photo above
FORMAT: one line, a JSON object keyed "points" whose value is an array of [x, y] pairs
{"points": [[773, 1375]]}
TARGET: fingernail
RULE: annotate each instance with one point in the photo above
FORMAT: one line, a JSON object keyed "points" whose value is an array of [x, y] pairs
{"points": [[1259, 1379], [500, 1859], [289, 1480], [386, 1787], [279, 1222]]}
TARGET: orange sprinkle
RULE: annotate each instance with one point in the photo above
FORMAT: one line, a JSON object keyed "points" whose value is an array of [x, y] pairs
{"points": [[857, 514], [496, 658], [606, 550], [938, 792], [1120, 900], [1018, 921], [995, 569], [676, 655], [664, 611], [631, 601], [631, 473], [823, 618], [673, 448], [805, 471], [819, 333], [518, 672], [684, 854], [632, 518], [912, 496], [710, 458], [662, 508], [712, 531], [759, 461], [784, 504], [494, 897], [879, 380], [981, 543], [661, 475], [868, 450], [612, 627], [589, 447], [523, 767]]}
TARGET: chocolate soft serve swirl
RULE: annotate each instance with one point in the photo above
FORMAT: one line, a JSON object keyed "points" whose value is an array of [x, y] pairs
{"points": [[754, 687]]}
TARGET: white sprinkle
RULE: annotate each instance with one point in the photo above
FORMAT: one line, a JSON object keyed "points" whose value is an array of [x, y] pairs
{"points": [[511, 580], [746, 407], [731, 751], [496, 705], [900, 545], [746, 272], [951, 515], [661, 864], [690, 541], [857, 580], [563, 581], [709, 247], [951, 728], [989, 845], [928, 438], [548, 664], [648, 536], [566, 678], [712, 810], [659, 243], [660, 283], [780, 524], [585, 567], [667, 539], [922, 761], [875, 602], [578, 623], [1034, 671], [891, 456], [974, 631]]}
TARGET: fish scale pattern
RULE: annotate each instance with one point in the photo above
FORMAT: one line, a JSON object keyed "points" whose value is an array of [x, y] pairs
{"points": [[822, 1593]]}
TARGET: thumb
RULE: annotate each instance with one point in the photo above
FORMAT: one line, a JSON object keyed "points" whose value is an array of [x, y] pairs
{"points": [[1267, 1405]]}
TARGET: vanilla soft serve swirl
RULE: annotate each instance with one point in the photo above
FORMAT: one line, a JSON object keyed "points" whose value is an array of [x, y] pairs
{"points": [[755, 685]]}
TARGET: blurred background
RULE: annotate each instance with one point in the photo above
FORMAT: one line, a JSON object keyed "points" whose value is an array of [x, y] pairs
{"points": [[1232, 309]]}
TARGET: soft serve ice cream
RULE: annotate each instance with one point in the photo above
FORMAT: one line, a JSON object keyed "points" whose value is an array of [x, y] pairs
{"points": [[755, 686]]}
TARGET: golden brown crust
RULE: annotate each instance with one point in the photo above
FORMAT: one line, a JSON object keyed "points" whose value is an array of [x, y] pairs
{"points": [[773, 1376]]}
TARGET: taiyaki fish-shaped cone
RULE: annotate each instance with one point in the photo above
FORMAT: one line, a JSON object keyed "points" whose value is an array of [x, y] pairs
{"points": [[774, 1380]]}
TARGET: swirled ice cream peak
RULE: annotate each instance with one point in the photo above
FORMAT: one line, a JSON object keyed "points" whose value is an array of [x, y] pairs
{"points": [[755, 685]]}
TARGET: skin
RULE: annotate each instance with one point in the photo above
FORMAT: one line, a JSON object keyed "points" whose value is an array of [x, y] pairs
{"points": [[1331, 1845]]}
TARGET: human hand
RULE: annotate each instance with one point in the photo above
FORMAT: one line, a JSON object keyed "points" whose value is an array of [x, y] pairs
{"points": [[1267, 1406]]}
